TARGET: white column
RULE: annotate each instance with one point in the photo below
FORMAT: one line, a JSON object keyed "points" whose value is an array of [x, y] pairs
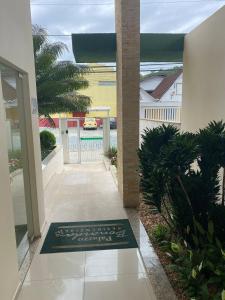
{"points": [[106, 134], [65, 140]]}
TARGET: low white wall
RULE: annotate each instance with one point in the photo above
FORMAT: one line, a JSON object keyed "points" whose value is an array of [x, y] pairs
{"points": [[152, 124], [52, 164]]}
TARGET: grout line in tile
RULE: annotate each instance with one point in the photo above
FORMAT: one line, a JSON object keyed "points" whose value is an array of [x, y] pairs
{"points": [[53, 279]]}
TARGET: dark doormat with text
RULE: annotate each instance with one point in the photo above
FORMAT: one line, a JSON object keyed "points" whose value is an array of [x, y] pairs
{"points": [[89, 236]]}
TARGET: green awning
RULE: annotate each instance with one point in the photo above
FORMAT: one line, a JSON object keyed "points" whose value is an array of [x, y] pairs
{"points": [[101, 47]]}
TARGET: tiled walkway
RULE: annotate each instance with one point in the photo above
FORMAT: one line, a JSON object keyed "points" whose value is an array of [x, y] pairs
{"points": [[84, 193]]}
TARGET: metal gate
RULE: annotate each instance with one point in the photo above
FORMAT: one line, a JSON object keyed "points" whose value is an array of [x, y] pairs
{"points": [[81, 145]]}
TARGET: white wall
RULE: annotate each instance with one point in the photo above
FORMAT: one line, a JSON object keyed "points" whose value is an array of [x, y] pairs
{"points": [[170, 98], [16, 48], [147, 124], [204, 73], [152, 124], [171, 94], [52, 165]]}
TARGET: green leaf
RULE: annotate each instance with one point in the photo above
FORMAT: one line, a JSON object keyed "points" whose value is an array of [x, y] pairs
{"points": [[218, 243], [223, 295], [175, 248], [211, 228], [195, 239], [217, 272], [223, 253], [200, 266], [190, 254], [194, 273], [188, 229], [204, 292], [200, 228]]}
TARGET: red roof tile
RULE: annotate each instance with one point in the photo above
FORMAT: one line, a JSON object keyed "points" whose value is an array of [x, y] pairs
{"points": [[165, 84]]}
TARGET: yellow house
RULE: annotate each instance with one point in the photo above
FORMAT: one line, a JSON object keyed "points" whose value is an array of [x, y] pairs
{"points": [[101, 90]]}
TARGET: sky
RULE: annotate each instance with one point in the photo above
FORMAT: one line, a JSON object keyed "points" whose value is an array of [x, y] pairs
{"points": [[97, 16]]}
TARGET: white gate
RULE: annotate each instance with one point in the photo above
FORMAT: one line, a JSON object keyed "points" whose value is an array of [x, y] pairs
{"points": [[84, 145]]}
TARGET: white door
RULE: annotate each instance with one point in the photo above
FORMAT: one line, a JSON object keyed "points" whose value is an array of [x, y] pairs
{"points": [[13, 120]]}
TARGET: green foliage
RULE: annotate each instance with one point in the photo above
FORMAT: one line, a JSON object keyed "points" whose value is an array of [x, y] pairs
{"points": [[48, 140], [58, 82], [15, 160], [184, 169], [201, 270], [160, 233], [153, 179], [112, 155], [180, 175]]}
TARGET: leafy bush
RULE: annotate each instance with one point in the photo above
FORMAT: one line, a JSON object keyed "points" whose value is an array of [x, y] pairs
{"points": [[160, 233], [48, 142], [112, 155], [180, 175], [201, 270], [15, 160]]}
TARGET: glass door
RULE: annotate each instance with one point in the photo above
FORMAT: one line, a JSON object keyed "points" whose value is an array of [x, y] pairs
{"points": [[12, 92]]}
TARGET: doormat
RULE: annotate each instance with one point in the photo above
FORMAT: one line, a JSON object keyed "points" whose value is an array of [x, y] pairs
{"points": [[89, 236]]}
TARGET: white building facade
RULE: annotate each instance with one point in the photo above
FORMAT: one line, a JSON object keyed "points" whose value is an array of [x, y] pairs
{"points": [[161, 100]]}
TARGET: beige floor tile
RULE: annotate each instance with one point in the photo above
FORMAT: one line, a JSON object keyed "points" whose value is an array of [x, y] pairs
{"points": [[62, 289], [113, 262], [85, 193], [56, 265], [129, 287]]}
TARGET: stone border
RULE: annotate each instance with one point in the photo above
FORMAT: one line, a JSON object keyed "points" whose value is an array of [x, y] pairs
{"points": [[157, 276], [111, 168], [107, 163], [113, 171]]}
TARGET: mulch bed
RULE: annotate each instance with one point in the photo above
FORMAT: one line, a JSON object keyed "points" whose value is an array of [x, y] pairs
{"points": [[150, 219]]}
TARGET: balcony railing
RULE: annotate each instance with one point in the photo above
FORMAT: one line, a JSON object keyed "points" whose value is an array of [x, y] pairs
{"points": [[163, 114]]}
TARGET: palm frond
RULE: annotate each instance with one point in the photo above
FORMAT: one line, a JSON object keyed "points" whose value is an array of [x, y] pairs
{"points": [[57, 82], [67, 103], [39, 38]]}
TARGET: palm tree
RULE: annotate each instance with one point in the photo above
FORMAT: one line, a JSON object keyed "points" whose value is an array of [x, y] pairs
{"points": [[57, 82]]}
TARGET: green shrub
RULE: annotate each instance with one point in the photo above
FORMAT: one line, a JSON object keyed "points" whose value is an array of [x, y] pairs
{"points": [[167, 159], [180, 176], [15, 160], [202, 270], [48, 140], [160, 233], [112, 155], [112, 152]]}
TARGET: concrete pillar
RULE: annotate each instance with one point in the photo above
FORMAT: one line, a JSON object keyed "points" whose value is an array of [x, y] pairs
{"points": [[128, 77], [106, 134], [65, 140]]}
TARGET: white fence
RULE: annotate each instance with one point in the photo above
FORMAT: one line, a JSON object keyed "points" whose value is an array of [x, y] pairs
{"points": [[163, 114]]}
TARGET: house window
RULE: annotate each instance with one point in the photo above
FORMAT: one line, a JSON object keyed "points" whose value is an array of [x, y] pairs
{"points": [[107, 83], [179, 88]]}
